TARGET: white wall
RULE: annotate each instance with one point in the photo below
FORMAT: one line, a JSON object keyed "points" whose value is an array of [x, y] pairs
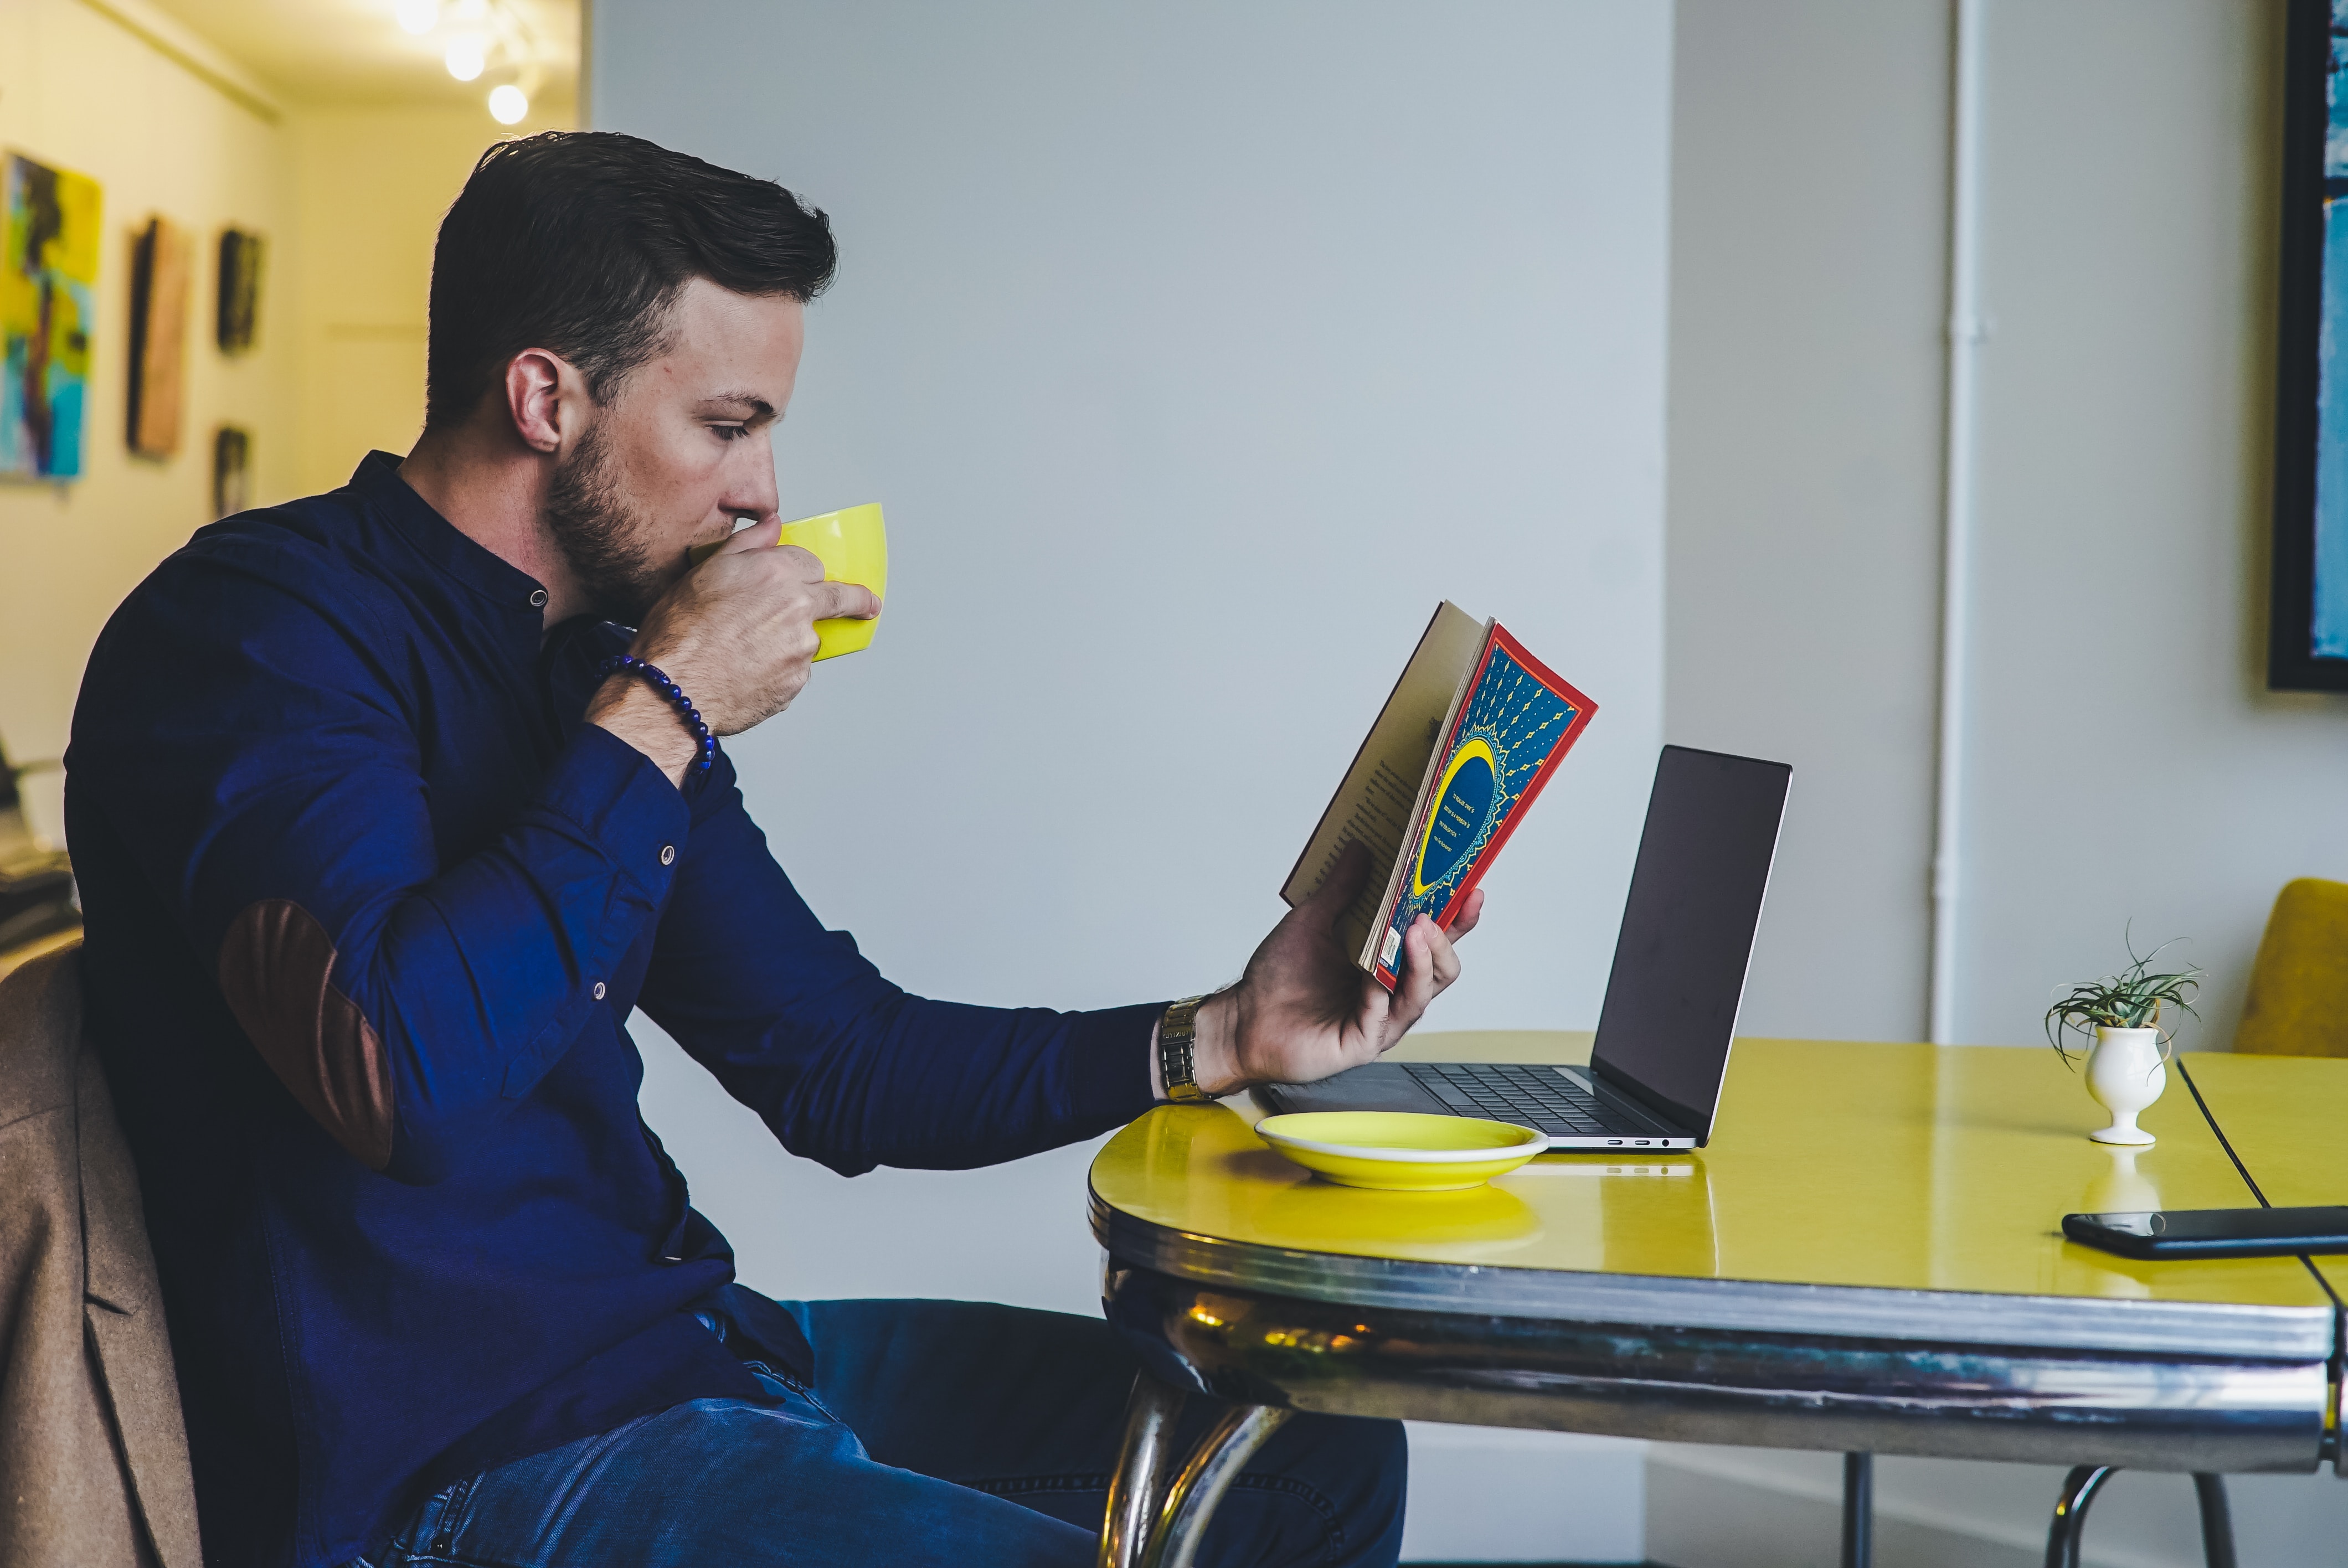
{"points": [[2130, 266], [371, 183], [1807, 232]]}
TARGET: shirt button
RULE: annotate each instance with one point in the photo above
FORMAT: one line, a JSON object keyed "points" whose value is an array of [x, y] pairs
{"points": [[538, 599], [599, 990], [668, 854]]}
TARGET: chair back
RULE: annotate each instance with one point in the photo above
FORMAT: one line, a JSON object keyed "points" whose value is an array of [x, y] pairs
{"points": [[93, 1453], [2298, 1004]]}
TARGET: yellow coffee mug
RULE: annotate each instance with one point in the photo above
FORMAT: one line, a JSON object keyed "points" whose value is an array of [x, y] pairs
{"points": [[854, 547]]}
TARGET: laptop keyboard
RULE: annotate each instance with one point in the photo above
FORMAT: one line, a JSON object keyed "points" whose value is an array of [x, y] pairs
{"points": [[1538, 1097]]}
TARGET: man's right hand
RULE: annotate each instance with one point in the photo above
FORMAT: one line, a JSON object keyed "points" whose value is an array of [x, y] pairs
{"points": [[736, 633]]}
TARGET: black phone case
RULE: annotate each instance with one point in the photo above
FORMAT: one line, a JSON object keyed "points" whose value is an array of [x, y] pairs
{"points": [[2082, 1229]]}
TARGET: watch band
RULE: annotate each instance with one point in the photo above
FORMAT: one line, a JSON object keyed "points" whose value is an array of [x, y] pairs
{"points": [[1178, 1037]]}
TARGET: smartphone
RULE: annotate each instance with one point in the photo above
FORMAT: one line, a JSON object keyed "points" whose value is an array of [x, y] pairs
{"points": [[2213, 1233]]}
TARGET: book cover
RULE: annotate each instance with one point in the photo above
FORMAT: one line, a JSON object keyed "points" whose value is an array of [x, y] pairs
{"points": [[1511, 722]]}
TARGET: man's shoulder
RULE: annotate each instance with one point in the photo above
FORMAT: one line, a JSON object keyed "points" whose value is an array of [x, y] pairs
{"points": [[317, 541], [302, 566], [289, 588]]}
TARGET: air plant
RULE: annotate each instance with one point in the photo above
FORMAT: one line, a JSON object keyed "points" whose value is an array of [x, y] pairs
{"points": [[2132, 998]]}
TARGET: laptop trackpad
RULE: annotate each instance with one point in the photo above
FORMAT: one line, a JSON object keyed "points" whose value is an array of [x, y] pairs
{"points": [[1379, 1086]]}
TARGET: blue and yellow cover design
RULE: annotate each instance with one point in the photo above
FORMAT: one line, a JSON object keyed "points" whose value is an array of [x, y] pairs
{"points": [[1509, 727]]}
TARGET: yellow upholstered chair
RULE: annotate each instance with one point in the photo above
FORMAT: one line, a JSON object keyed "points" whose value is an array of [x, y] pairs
{"points": [[2298, 1004]]}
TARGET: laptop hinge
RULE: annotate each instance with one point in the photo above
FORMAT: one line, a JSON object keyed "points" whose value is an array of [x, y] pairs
{"points": [[1599, 1089]]}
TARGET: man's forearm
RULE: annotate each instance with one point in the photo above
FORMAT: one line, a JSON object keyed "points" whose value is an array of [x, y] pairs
{"points": [[633, 711]]}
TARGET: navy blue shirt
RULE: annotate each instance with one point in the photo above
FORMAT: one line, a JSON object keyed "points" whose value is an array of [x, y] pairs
{"points": [[368, 907]]}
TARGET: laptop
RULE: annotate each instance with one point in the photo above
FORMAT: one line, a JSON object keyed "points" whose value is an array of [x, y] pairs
{"points": [[1680, 961]]}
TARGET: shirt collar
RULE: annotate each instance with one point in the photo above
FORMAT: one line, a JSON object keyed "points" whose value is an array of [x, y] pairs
{"points": [[440, 542]]}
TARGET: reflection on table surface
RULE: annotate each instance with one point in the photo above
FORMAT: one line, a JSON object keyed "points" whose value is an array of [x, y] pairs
{"points": [[2288, 1118], [1833, 1162]]}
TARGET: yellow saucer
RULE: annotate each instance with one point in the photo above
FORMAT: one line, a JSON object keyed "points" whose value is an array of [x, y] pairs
{"points": [[1401, 1151]]}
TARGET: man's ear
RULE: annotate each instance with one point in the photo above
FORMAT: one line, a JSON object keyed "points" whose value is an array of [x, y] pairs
{"points": [[535, 389]]}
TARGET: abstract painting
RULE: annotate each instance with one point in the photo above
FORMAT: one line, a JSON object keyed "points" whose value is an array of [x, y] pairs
{"points": [[49, 280], [158, 337], [240, 290]]}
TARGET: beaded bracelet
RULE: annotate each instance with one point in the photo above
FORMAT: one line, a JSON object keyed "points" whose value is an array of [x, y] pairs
{"points": [[705, 742]]}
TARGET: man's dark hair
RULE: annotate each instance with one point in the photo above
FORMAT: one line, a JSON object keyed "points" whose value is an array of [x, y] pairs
{"points": [[579, 242]]}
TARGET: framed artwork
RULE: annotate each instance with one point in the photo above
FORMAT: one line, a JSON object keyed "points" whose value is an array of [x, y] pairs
{"points": [[48, 283], [2308, 623], [240, 290], [231, 460], [159, 336]]}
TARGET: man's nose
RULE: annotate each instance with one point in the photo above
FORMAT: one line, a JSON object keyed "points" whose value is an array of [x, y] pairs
{"points": [[751, 491]]}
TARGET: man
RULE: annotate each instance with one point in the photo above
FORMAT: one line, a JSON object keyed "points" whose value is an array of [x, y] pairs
{"points": [[380, 844]]}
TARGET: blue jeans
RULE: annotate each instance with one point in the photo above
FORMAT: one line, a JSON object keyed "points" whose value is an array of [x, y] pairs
{"points": [[938, 1432]]}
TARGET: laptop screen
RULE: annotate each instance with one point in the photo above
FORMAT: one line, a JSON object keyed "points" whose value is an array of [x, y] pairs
{"points": [[1687, 931]]}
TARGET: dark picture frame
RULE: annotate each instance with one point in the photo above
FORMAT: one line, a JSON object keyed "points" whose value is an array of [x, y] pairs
{"points": [[2308, 625], [232, 468], [238, 318]]}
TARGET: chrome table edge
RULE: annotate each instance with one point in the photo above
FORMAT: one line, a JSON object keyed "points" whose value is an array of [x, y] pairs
{"points": [[1765, 1307], [2211, 1412]]}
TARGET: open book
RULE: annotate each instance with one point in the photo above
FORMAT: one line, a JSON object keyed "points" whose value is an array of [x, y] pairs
{"points": [[1468, 736]]}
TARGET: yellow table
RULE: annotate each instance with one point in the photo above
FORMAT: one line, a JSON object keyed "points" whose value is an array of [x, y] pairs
{"points": [[2287, 1118], [1866, 1259]]}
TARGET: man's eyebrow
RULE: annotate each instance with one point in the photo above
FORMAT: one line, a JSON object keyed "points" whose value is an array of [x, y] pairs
{"points": [[760, 409]]}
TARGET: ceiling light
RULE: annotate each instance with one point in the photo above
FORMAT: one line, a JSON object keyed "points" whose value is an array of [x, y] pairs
{"points": [[467, 57], [508, 104], [417, 15]]}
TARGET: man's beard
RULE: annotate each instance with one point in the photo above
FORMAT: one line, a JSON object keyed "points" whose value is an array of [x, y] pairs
{"points": [[601, 537]]}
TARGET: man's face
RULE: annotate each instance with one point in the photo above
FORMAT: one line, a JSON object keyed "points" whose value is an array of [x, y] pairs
{"points": [[680, 450]]}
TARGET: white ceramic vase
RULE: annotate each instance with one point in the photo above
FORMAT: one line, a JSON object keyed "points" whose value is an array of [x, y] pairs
{"points": [[2125, 1073]]}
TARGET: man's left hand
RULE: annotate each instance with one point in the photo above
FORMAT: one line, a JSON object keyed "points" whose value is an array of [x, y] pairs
{"points": [[1303, 1010]]}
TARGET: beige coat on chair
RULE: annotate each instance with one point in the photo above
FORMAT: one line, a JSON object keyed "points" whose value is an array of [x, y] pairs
{"points": [[93, 1452]]}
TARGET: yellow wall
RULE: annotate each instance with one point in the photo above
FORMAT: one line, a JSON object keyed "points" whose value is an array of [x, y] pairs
{"points": [[371, 185], [78, 91], [349, 199]]}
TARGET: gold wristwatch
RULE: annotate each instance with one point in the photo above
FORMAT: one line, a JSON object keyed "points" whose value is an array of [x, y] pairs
{"points": [[1178, 1037]]}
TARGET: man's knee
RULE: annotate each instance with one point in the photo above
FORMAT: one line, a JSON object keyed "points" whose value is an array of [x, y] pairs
{"points": [[1377, 1450], [1349, 1471], [1380, 1455]]}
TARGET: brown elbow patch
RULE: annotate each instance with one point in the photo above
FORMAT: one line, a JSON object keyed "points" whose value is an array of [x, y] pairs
{"points": [[274, 966]]}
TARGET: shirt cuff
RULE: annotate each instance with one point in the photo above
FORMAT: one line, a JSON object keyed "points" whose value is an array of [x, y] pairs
{"points": [[626, 805], [1110, 1050]]}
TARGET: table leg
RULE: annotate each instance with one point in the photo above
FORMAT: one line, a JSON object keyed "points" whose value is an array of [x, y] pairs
{"points": [[1143, 1463], [2217, 1519], [1857, 1510], [1191, 1502], [2079, 1489]]}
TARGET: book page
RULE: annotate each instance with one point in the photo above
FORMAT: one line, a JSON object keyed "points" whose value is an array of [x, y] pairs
{"points": [[1374, 803]]}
